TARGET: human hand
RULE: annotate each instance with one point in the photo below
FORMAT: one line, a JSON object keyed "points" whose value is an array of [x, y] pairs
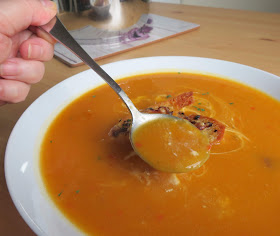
{"points": [[21, 52]]}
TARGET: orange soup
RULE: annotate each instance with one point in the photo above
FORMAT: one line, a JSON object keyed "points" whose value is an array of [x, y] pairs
{"points": [[102, 187]]}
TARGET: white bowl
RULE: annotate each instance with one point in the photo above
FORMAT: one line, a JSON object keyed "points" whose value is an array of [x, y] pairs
{"points": [[21, 160]]}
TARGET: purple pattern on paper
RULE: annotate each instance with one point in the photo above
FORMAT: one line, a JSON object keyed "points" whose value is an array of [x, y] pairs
{"points": [[137, 33]]}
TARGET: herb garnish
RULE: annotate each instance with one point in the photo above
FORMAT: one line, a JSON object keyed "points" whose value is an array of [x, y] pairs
{"points": [[60, 193], [168, 96], [205, 93], [50, 141], [77, 191], [199, 109], [93, 96], [231, 103]]}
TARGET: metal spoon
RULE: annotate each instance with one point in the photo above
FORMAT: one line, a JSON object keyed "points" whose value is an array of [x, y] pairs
{"points": [[57, 30]]}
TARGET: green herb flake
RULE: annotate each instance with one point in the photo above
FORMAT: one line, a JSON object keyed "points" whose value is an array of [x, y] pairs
{"points": [[198, 108], [179, 73], [98, 158], [60, 193], [231, 103], [93, 96], [51, 141], [129, 120], [205, 93], [168, 96], [199, 103], [77, 191]]}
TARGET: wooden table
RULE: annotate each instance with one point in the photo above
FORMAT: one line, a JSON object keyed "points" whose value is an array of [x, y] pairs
{"points": [[250, 38]]}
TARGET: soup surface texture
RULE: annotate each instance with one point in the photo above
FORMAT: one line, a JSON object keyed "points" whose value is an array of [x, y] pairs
{"points": [[101, 186]]}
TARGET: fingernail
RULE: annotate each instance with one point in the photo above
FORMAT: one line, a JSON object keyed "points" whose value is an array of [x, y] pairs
{"points": [[48, 4], [34, 51], [12, 92], [9, 68], [8, 92]]}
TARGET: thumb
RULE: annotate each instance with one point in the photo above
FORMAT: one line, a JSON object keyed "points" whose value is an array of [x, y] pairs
{"points": [[18, 15]]}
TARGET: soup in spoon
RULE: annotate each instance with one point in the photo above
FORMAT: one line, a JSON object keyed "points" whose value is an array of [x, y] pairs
{"points": [[171, 145]]}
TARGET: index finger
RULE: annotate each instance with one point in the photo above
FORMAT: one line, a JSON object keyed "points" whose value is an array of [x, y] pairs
{"points": [[18, 15]]}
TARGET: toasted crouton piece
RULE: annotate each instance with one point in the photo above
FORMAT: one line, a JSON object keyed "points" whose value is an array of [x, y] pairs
{"points": [[211, 127]]}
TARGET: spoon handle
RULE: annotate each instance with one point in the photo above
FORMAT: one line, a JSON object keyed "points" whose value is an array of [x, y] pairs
{"points": [[61, 34]]}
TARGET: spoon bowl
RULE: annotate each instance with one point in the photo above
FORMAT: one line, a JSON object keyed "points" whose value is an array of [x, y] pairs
{"points": [[168, 143]]}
